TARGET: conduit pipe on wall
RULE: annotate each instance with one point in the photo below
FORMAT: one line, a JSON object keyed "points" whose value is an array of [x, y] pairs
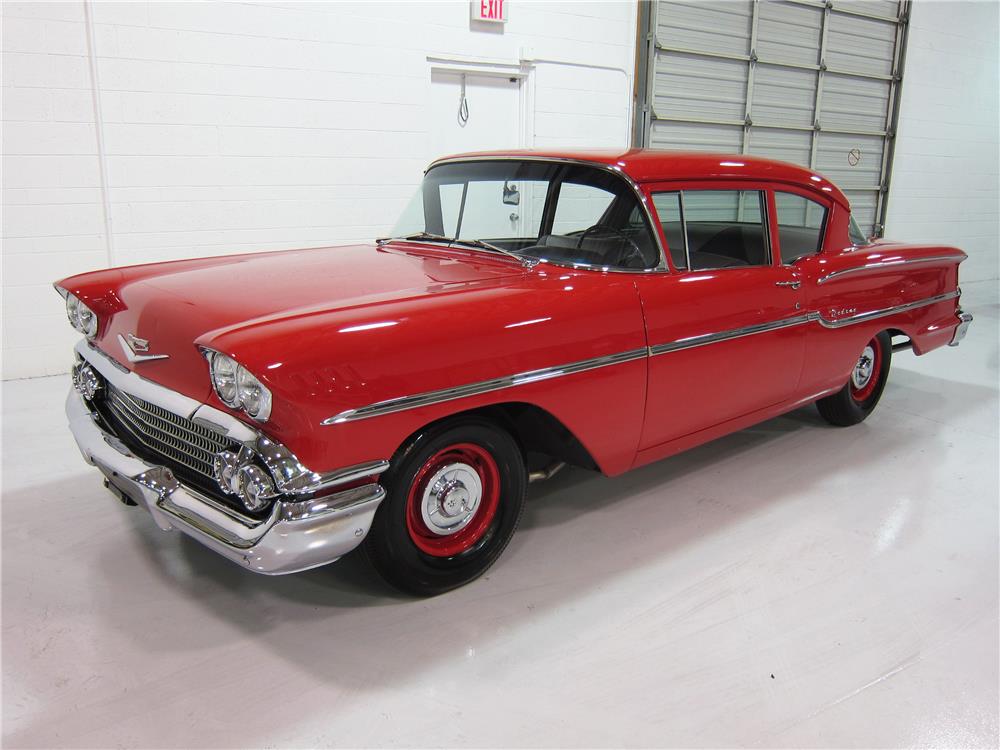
{"points": [[102, 160]]}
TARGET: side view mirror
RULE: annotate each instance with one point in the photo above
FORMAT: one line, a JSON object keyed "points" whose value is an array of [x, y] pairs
{"points": [[511, 196]]}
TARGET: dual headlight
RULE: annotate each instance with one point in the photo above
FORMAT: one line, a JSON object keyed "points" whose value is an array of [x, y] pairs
{"points": [[81, 317], [237, 388]]}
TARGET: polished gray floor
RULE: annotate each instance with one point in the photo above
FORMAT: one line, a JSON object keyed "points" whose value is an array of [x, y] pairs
{"points": [[792, 585]]}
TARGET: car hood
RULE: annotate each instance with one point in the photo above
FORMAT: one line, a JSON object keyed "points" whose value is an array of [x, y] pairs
{"points": [[179, 305]]}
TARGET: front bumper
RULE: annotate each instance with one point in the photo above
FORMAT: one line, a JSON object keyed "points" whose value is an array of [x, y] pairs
{"points": [[964, 320], [296, 535]]}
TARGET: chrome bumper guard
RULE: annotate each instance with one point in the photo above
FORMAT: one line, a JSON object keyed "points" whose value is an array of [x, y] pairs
{"points": [[964, 319], [296, 535]]}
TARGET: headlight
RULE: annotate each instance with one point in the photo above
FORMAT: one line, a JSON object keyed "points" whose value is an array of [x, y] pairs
{"points": [[81, 317], [224, 379], [237, 388], [256, 399]]}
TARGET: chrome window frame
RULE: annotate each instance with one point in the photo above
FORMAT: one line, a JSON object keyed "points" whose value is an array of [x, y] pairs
{"points": [[660, 267], [765, 224], [823, 227]]}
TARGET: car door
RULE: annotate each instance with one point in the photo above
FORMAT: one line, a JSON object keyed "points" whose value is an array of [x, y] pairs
{"points": [[725, 328]]}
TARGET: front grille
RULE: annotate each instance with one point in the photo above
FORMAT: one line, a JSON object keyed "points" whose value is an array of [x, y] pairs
{"points": [[165, 434]]}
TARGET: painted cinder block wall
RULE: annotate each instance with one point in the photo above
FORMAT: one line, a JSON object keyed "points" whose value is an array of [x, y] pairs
{"points": [[237, 127], [946, 174]]}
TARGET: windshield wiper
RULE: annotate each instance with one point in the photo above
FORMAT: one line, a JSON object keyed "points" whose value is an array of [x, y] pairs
{"points": [[417, 236], [480, 244]]}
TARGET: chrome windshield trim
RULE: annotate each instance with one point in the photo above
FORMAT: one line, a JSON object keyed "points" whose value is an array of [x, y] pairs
{"points": [[430, 398], [486, 386], [885, 264], [661, 266]]}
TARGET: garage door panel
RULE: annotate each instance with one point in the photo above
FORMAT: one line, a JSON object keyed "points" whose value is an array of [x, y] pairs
{"points": [[699, 88], [785, 145], [803, 81], [883, 8], [696, 136], [789, 33], [714, 27], [783, 96], [852, 103], [836, 151], [864, 207], [861, 45]]}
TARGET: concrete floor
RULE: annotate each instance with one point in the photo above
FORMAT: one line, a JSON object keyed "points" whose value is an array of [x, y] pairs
{"points": [[792, 585]]}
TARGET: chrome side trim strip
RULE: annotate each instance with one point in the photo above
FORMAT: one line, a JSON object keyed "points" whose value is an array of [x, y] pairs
{"points": [[735, 333], [885, 264], [885, 311], [486, 386], [430, 398]]}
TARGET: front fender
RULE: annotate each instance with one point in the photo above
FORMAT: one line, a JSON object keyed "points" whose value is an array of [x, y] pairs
{"points": [[342, 362]]}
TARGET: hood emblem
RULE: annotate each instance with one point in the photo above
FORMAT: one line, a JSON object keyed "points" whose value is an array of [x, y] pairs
{"points": [[135, 348], [137, 344]]}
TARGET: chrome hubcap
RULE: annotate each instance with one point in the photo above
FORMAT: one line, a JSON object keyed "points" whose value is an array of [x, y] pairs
{"points": [[864, 369], [453, 493]]}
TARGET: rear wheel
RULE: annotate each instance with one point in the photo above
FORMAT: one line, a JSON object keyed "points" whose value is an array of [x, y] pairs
{"points": [[857, 399], [454, 498]]}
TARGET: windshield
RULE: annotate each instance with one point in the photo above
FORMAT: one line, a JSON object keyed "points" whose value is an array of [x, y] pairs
{"points": [[562, 213]]}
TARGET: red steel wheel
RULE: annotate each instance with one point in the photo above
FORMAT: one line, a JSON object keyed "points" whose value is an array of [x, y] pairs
{"points": [[865, 375], [453, 500], [861, 393]]}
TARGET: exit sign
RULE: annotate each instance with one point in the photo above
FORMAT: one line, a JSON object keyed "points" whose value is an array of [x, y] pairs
{"points": [[494, 11]]}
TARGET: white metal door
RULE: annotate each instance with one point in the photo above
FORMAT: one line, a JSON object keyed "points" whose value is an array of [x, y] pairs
{"points": [[488, 117], [805, 81]]}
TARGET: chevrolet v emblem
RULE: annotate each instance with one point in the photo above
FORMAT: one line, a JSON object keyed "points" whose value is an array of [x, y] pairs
{"points": [[135, 348]]}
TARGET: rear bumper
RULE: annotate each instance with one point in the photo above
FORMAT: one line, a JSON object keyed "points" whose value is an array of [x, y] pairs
{"points": [[964, 320], [295, 536]]}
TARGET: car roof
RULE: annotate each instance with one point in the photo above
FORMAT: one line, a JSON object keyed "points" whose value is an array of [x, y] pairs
{"points": [[655, 165]]}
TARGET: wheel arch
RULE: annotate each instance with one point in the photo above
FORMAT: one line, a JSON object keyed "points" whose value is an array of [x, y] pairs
{"points": [[533, 428]]}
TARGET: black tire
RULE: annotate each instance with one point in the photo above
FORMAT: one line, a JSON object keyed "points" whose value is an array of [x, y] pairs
{"points": [[402, 548], [851, 404]]}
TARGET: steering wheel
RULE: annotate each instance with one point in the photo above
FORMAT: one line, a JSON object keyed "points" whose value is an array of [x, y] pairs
{"points": [[627, 254]]}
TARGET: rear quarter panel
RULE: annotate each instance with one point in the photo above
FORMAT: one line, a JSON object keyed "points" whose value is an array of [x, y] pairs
{"points": [[856, 281]]}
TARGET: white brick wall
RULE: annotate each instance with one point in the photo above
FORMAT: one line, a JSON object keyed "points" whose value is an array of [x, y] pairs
{"points": [[945, 177], [234, 126]]}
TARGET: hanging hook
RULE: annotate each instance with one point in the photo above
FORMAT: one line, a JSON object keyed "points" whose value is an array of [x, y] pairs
{"points": [[463, 105]]}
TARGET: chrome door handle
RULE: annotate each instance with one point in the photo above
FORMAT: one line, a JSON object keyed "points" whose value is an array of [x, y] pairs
{"points": [[792, 284]]}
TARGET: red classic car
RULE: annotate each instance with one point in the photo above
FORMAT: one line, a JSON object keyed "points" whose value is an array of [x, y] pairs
{"points": [[530, 309]]}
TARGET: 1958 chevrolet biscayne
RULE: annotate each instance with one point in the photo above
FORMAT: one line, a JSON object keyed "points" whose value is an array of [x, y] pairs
{"points": [[530, 309]]}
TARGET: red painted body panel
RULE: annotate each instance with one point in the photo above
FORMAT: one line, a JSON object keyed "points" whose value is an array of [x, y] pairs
{"points": [[334, 329]]}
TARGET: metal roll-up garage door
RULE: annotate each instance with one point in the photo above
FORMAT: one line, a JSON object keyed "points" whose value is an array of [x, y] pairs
{"points": [[815, 83]]}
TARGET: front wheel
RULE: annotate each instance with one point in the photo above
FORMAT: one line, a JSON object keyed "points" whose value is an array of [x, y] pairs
{"points": [[454, 499], [857, 399]]}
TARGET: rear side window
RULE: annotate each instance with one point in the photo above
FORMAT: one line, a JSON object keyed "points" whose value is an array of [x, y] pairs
{"points": [[800, 225], [714, 228]]}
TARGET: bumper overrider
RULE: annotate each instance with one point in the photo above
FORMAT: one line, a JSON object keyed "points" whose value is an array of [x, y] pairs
{"points": [[310, 522], [964, 321]]}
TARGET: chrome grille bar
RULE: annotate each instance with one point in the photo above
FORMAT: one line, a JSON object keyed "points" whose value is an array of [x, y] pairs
{"points": [[165, 433]]}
